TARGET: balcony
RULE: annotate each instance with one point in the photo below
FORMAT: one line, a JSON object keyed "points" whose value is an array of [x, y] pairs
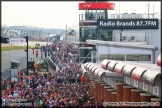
{"points": [[108, 38], [94, 17]]}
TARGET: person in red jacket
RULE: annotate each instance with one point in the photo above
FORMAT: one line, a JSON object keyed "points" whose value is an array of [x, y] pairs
{"points": [[82, 78]]}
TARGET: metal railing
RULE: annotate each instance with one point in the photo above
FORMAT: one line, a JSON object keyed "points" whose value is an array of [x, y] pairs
{"points": [[94, 17], [52, 64]]}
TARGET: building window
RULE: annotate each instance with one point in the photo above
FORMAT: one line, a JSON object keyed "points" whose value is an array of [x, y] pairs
{"points": [[88, 59], [105, 56], [144, 57], [104, 33], [94, 36], [131, 57], [120, 57], [94, 56], [138, 57], [85, 52], [86, 32], [82, 32]]}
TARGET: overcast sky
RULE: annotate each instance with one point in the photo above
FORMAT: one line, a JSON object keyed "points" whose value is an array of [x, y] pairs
{"points": [[58, 14]]}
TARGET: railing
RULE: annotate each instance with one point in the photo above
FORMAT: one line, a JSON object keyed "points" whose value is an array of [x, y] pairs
{"points": [[52, 64], [83, 17]]}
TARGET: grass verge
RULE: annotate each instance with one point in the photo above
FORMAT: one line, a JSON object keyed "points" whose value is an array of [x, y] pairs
{"points": [[7, 48]]}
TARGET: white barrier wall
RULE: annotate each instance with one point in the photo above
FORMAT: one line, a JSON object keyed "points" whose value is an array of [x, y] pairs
{"points": [[31, 43]]}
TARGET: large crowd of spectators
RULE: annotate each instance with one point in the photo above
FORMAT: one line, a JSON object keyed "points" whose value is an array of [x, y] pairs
{"points": [[62, 88]]}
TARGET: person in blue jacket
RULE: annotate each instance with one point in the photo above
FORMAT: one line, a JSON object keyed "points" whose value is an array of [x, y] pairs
{"points": [[27, 81]]}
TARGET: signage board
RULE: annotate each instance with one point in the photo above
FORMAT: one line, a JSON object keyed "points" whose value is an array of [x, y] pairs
{"points": [[31, 65], [98, 5], [87, 23], [128, 23], [17, 40], [96, 0]]}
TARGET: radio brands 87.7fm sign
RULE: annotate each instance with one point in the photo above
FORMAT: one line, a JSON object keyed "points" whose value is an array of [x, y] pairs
{"points": [[128, 23]]}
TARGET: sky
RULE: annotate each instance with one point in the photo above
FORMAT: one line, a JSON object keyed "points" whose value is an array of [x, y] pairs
{"points": [[57, 14]]}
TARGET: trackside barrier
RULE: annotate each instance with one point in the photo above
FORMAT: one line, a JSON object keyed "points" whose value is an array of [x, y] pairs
{"points": [[6, 74], [52, 64]]}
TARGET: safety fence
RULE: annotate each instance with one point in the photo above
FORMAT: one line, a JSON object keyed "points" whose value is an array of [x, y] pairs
{"points": [[11, 73]]}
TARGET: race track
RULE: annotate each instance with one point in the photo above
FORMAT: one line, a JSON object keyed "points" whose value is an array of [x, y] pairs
{"points": [[7, 56]]}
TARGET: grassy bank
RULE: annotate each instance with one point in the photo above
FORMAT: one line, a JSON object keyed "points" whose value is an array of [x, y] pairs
{"points": [[7, 48]]}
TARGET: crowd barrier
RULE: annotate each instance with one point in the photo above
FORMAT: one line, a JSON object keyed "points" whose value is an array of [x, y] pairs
{"points": [[52, 64]]}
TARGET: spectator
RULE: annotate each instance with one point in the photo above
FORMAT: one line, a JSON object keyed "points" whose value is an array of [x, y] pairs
{"points": [[60, 89]]}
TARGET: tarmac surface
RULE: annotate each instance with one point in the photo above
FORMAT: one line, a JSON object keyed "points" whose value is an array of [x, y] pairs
{"points": [[14, 55]]}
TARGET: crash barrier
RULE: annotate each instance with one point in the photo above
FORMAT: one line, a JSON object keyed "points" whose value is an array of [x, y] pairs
{"points": [[17, 66], [52, 64], [123, 81]]}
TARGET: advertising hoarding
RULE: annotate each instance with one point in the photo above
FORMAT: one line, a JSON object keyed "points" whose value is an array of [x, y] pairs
{"points": [[128, 23], [17, 40]]}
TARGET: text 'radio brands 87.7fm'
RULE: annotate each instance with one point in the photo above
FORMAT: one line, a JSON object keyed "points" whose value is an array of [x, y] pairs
{"points": [[128, 23]]}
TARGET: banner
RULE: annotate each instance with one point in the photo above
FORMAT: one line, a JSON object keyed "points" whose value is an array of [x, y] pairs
{"points": [[128, 23], [17, 40], [98, 5]]}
